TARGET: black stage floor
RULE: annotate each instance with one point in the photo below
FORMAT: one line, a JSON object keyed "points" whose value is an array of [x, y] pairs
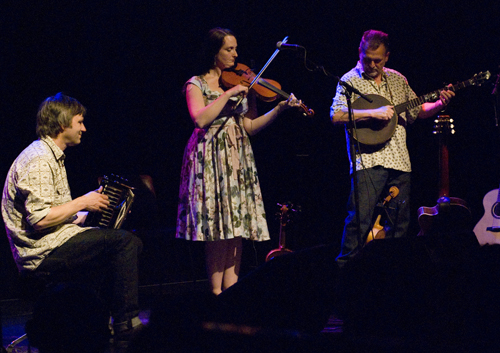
{"points": [[408, 295], [16, 312], [331, 338]]}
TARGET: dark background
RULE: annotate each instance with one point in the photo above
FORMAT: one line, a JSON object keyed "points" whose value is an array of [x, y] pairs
{"points": [[127, 61]]}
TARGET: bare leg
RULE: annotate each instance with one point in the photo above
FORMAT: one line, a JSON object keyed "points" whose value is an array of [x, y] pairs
{"points": [[233, 262], [215, 264], [223, 260]]}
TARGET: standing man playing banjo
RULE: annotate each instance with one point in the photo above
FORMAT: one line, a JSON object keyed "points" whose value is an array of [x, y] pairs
{"points": [[378, 169]]}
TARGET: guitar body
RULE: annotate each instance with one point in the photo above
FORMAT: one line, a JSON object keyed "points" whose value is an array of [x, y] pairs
{"points": [[378, 231], [374, 132], [487, 230], [284, 218], [451, 214], [277, 252]]}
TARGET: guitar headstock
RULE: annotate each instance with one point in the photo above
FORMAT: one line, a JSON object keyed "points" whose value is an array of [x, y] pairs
{"points": [[285, 212], [443, 125], [480, 78]]}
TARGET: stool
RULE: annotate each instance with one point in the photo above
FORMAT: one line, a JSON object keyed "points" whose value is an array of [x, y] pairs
{"points": [[30, 287]]}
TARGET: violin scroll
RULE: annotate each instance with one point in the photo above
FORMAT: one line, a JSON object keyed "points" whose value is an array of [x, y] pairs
{"points": [[306, 111]]}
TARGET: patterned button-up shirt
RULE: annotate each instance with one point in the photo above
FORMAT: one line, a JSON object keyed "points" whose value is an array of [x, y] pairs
{"points": [[36, 182], [395, 89]]}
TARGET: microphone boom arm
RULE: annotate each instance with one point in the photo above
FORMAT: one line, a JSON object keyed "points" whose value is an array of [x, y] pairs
{"points": [[257, 77]]}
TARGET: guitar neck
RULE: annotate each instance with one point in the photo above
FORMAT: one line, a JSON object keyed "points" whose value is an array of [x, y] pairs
{"points": [[444, 185], [282, 240], [432, 96]]}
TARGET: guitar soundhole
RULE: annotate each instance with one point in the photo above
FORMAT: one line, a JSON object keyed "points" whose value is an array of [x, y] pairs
{"points": [[495, 210]]}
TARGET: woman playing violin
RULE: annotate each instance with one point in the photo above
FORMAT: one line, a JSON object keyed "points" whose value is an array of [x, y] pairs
{"points": [[220, 200]]}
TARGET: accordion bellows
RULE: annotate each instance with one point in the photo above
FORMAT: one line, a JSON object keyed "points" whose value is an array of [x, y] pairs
{"points": [[120, 196]]}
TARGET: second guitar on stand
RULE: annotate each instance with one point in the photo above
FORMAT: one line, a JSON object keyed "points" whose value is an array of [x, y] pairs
{"points": [[487, 230], [450, 214]]}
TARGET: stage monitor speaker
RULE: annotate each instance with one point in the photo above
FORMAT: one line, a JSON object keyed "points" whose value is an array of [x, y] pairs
{"points": [[409, 287], [292, 291]]}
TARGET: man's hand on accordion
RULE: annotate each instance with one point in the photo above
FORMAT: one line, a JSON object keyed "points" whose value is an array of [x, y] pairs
{"points": [[96, 201], [93, 201]]}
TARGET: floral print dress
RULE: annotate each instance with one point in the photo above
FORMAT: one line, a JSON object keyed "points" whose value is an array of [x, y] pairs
{"points": [[220, 196]]}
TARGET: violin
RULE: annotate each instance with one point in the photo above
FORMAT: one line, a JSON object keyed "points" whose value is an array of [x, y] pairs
{"points": [[266, 89]]}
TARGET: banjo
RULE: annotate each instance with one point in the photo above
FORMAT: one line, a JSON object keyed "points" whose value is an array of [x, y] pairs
{"points": [[374, 132]]}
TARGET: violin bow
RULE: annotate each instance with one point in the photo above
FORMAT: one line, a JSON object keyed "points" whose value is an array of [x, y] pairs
{"points": [[257, 77], [251, 84]]}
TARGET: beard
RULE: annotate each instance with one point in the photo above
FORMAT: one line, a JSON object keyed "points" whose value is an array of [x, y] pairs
{"points": [[373, 72]]}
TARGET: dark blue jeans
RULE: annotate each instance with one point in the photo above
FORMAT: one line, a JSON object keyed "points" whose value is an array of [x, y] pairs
{"points": [[106, 259], [373, 187]]}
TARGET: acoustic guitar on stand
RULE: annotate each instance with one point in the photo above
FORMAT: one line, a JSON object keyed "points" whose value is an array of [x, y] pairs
{"points": [[376, 133], [378, 231], [487, 230], [450, 213], [284, 219]]}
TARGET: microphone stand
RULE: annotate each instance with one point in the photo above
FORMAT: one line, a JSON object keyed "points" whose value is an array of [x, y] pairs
{"points": [[495, 105], [351, 126], [257, 77], [496, 94], [348, 90]]}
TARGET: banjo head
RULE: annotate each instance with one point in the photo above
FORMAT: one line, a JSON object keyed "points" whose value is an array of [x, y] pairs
{"points": [[374, 132]]}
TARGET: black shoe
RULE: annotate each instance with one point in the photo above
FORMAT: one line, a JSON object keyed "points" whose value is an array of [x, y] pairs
{"points": [[124, 332]]}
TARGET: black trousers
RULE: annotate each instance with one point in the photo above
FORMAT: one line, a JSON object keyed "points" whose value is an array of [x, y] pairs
{"points": [[107, 258], [373, 185]]}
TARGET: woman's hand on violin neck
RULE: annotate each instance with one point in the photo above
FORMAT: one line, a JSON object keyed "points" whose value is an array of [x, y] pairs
{"points": [[291, 102]]}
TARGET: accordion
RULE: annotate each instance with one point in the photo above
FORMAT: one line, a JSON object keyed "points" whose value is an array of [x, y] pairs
{"points": [[120, 196]]}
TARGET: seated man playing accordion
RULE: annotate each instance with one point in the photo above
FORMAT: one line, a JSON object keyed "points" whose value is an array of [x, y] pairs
{"points": [[45, 225]]}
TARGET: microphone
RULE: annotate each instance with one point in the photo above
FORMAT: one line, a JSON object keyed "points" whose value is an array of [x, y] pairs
{"points": [[282, 46]]}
